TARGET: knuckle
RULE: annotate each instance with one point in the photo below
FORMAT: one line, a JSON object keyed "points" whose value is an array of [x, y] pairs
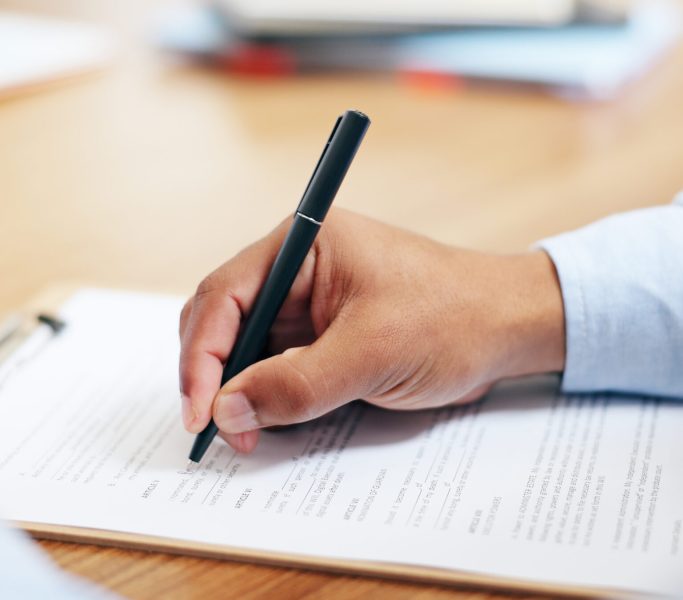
{"points": [[218, 282], [207, 285]]}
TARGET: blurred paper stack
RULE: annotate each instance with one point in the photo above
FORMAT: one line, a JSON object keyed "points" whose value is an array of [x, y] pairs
{"points": [[587, 49]]}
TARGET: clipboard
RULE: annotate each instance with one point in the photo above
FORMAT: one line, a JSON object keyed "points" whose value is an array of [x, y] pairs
{"points": [[16, 328]]}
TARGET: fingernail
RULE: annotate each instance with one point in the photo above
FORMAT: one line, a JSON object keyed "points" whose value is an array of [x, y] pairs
{"points": [[234, 413], [189, 412]]}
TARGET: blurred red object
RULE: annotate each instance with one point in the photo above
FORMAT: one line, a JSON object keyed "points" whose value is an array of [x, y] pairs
{"points": [[266, 61]]}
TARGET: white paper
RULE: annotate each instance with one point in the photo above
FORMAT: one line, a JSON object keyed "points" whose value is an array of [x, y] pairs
{"points": [[528, 484]]}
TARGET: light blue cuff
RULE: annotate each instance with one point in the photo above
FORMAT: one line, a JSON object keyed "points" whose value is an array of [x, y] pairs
{"points": [[622, 286]]}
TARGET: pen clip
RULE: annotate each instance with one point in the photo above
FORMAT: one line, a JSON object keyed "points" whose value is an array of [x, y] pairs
{"points": [[327, 145]]}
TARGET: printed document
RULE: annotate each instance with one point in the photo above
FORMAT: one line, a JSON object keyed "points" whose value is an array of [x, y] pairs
{"points": [[527, 484]]}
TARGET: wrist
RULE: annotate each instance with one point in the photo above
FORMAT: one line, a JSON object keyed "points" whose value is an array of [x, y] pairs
{"points": [[533, 328]]}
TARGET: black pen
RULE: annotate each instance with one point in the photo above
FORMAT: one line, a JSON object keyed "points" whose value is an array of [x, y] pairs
{"points": [[327, 177]]}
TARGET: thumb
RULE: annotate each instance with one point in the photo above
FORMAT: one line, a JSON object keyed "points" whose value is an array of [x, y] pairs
{"points": [[295, 386]]}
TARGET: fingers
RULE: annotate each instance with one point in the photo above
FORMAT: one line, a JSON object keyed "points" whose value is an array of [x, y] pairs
{"points": [[210, 321], [207, 339], [296, 386]]}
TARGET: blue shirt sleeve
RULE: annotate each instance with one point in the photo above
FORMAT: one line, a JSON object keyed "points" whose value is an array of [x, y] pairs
{"points": [[622, 286]]}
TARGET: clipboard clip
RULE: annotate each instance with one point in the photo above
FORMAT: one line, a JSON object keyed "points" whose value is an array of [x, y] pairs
{"points": [[52, 322], [17, 329], [14, 326]]}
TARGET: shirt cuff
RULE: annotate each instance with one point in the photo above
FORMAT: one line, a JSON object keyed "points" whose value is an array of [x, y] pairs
{"points": [[623, 301], [581, 353]]}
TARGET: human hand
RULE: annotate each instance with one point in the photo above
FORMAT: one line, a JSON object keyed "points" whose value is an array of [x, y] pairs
{"points": [[376, 313]]}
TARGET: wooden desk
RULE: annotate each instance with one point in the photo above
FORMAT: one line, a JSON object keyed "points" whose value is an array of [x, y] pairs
{"points": [[139, 177]]}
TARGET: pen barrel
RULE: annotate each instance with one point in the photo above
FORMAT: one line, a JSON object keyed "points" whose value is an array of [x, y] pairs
{"points": [[335, 161], [254, 335]]}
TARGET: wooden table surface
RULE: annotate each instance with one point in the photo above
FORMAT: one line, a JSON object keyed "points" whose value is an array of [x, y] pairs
{"points": [[153, 172]]}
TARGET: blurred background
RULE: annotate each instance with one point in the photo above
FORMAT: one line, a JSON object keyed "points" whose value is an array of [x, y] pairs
{"points": [[143, 143]]}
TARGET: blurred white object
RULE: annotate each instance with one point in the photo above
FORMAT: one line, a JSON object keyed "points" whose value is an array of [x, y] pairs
{"points": [[35, 50], [264, 17], [26, 573]]}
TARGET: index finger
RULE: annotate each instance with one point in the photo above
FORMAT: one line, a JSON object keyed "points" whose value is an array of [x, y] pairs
{"points": [[208, 333]]}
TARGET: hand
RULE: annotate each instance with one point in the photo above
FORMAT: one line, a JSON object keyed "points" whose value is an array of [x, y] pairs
{"points": [[375, 313]]}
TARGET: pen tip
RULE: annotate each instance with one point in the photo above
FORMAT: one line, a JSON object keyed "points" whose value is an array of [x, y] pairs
{"points": [[191, 466]]}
